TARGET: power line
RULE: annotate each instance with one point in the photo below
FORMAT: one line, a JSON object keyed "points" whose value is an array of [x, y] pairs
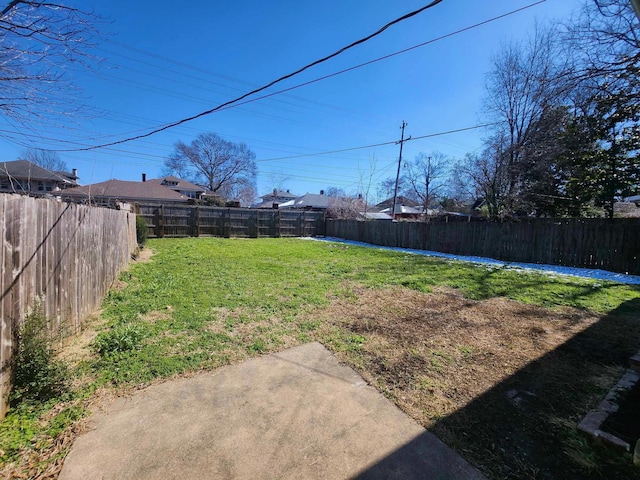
{"points": [[236, 102], [272, 83], [208, 72], [385, 57], [393, 142]]}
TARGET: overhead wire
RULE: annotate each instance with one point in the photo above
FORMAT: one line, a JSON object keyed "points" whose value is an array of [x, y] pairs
{"points": [[87, 147], [272, 83], [238, 101], [381, 144]]}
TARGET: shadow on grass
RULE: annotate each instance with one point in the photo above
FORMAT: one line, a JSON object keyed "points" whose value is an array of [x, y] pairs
{"points": [[525, 426]]}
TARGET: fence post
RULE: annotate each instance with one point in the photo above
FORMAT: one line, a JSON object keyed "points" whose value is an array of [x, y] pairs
{"points": [[197, 222], [324, 223], [227, 224], [257, 223], [160, 222], [278, 233]]}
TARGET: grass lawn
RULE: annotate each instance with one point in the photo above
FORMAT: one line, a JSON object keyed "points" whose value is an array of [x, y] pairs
{"points": [[500, 364]]}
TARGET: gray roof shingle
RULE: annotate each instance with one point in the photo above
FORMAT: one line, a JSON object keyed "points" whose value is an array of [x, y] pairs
{"points": [[24, 169], [125, 191], [180, 184]]}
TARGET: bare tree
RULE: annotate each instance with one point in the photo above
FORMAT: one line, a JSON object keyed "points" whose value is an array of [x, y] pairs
{"points": [[277, 180], [38, 40], [366, 182], [426, 175], [605, 41], [335, 192], [223, 167], [244, 193], [526, 82], [387, 186], [46, 159], [344, 207], [486, 176]]}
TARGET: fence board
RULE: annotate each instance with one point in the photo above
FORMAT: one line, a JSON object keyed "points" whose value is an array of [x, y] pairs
{"points": [[63, 256], [191, 220], [586, 242]]}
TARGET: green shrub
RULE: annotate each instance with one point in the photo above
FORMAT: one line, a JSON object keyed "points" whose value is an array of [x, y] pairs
{"points": [[141, 230], [36, 374], [119, 339]]}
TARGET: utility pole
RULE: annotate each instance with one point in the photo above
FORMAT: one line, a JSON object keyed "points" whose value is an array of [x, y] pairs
{"points": [[427, 187], [395, 192]]}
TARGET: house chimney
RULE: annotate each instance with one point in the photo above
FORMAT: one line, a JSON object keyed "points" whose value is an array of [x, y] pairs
{"points": [[144, 177], [74, 172], [321, 192]]}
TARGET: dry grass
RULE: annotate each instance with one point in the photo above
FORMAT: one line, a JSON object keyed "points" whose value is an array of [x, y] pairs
{"points": [[503, 382], [433, 353], [436, 355]]}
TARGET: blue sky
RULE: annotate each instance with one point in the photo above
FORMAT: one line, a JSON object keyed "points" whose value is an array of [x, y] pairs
{"points": [[164, 61]]}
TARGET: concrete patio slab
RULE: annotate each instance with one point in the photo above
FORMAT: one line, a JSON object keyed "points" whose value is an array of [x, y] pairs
{"points": [[297, 414]]}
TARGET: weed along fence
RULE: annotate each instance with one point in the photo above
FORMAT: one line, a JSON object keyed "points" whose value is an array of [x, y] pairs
{"points": [[64, 257], [612, 245], [196, 221]]}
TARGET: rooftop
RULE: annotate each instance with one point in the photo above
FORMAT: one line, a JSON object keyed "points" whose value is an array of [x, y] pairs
{"points": [[176, 183], [124, 190], [24, 169]]}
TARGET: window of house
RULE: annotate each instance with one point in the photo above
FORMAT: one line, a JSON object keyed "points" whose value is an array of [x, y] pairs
{"points": [[40, 186]]}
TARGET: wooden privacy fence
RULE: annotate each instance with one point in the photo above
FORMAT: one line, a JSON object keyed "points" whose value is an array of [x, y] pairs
{"points": [[63, 256], [196, 221], [612, 245]]}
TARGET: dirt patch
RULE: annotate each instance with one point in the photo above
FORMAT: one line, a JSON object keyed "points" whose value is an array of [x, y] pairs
{"points": [[144, 255], [78, 347], [256, 332], [157, 315], [503, 382], [118, 285], [446, 348]]}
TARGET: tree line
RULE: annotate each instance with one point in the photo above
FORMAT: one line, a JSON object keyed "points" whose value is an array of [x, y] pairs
{"points": [[564, 107]]}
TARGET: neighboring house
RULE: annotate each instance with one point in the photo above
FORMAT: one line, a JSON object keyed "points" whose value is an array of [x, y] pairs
{"points": [[403, 211], [184, 188], [112, 192], [375, 216], [400, 201], [276, 197], [309, 201], [335, 207], [23, 176]]}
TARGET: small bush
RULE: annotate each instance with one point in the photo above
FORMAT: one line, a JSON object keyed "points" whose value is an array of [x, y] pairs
{"points": [[120, 339], [141, 230], [37, 375]]}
